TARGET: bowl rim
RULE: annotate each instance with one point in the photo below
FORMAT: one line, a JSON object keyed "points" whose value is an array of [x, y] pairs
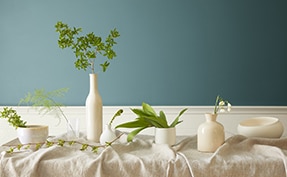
{"points": [[272, 120], [34, 127]]}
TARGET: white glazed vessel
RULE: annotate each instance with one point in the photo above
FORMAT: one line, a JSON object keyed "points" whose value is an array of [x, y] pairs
{"points": [[264, 127], [210, 134], [33, 134], [94, 109], [108, 135], [165, 136]]}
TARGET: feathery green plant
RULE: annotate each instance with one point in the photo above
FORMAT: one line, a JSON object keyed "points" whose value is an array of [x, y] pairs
{"points": [[42, 100], [45, 101]]}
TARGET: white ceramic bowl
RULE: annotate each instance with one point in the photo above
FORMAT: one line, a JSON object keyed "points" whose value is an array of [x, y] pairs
{"points": [[33, 134], [264, 127]]}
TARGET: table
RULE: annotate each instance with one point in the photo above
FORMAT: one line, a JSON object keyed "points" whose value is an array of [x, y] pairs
{"points": [[239, 156]]}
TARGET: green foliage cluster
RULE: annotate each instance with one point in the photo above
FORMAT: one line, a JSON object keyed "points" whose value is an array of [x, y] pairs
{"points": [[147, 117], [12, 117], [40, 99], [87, 47]]}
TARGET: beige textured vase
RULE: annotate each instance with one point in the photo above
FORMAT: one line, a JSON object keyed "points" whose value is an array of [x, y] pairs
{"points": [[94, 109], [210, 134]]}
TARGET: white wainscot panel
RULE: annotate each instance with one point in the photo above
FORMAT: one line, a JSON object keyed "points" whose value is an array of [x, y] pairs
{"points": [[191, 118]]}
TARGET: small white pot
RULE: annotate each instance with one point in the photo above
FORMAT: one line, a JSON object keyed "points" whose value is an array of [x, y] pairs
{"points": [[108, 135], [33, 134], [165, 136]]}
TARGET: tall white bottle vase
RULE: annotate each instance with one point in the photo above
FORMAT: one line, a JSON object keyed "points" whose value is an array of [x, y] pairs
{"points": [[94, 111]]}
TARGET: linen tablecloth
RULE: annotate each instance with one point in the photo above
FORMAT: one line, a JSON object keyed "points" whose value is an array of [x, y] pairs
{"points": [[238, 156]]}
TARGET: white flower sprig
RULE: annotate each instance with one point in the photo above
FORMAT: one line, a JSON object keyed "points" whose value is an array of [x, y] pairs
{"points": [[221, 105]]}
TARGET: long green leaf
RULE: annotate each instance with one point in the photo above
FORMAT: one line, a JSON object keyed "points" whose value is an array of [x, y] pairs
{"points": [[163, 117], [132, 134], [156, 122], [148, 109], [139, 112], [175, 122], [133, 124], [181, 112]]}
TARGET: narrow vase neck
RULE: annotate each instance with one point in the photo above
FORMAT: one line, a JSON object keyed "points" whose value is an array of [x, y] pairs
{"points": [[210, 117], [93, 83]]}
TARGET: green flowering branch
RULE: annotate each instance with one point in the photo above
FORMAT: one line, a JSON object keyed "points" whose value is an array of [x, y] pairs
{"points": [[60, 143]]}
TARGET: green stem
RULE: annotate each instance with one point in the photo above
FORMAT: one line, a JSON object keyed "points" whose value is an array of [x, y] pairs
{"points": [[118, 113], [62, 112], [216, 103]]}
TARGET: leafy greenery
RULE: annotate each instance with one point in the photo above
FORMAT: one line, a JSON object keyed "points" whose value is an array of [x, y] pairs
{"points": [[40, 99], [87, 47], [147, 117], [60, 143], [12, 117]]}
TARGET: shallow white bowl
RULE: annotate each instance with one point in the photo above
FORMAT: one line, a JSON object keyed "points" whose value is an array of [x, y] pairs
{"points": [[33, 134], [264, 127]]}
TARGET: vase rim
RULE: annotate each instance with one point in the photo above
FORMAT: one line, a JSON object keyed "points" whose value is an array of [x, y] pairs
{"points": [[164, 128], [34, 127], [209, 113]]}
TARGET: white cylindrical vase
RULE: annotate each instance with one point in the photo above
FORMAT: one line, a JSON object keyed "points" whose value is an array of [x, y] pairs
{"points": [[94, 109], [210, 134], [165, 136]]}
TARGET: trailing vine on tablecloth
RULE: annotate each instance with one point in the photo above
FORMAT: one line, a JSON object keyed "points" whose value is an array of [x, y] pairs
{"points": [[60, 143]]}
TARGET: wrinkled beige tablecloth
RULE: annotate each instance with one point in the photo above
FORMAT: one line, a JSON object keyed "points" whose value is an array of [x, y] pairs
{"points": [[238, 157]]}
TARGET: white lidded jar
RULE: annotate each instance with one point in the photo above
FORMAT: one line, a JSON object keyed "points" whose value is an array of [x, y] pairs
{"points": [[94, 109]]}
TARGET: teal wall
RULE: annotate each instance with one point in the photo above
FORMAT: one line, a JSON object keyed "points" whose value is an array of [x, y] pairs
{"points": [[170, 52]]}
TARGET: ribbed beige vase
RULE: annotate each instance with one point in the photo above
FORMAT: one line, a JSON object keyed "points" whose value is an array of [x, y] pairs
{"points": [[210, 134], [94, 109]]}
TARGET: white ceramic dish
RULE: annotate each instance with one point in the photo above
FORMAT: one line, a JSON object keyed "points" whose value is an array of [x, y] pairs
{"points": [[264, 127], [33, 134]]}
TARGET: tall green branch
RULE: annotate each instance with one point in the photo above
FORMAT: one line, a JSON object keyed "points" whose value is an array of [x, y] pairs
{"points": [[87, 47]]}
